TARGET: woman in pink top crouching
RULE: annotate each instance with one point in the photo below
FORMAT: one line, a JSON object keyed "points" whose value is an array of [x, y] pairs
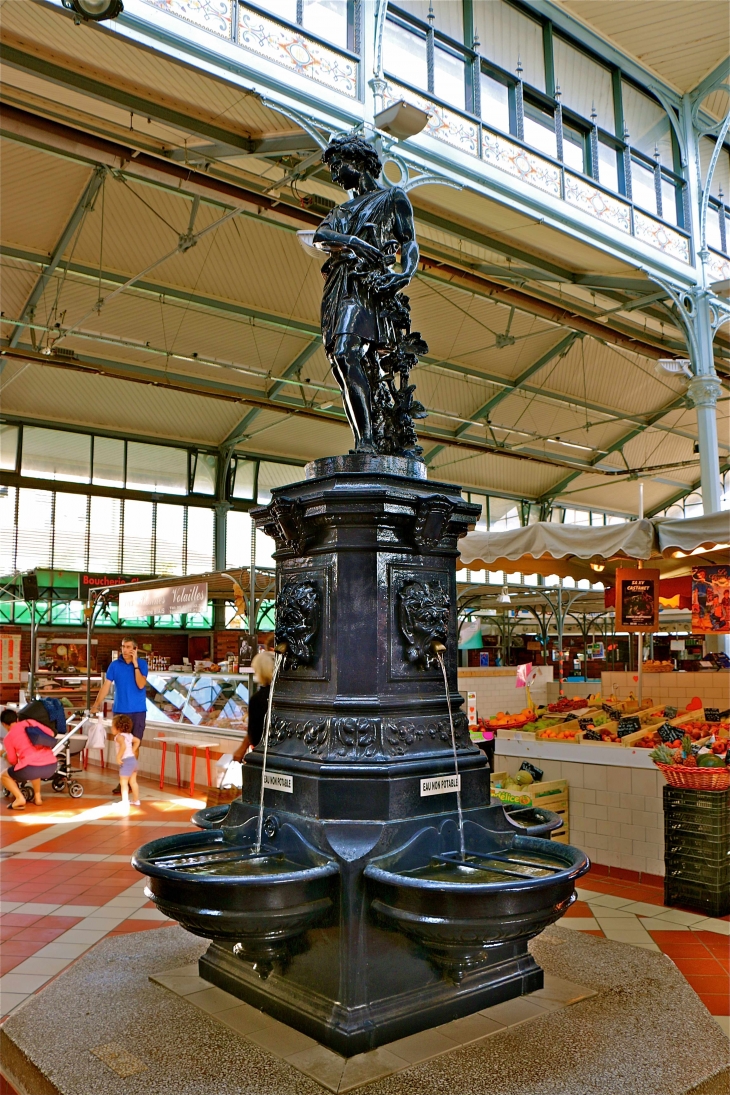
{"points": [[28, 761]]}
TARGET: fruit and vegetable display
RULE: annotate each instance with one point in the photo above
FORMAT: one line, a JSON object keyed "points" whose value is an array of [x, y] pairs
{"points": [[504, 721], [714, 754], [559, 733], [701, 767], [564, 704], [517, 781], [697, 731]]}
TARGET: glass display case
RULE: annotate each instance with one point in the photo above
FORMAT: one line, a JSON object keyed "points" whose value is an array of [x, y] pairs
{"points": [[215, 701]]}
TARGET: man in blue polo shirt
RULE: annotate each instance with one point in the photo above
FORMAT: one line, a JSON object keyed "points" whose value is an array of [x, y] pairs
{"points": [[129, 676]]}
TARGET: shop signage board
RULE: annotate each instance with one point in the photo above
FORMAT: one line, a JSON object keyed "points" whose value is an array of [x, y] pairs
{"points": [[89, 582], [711, 600], [637, 600], [10, 658], [471, 708], [163, 601]]}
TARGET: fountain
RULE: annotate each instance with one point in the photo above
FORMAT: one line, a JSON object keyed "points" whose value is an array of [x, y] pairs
{"points": [[364, 887]]}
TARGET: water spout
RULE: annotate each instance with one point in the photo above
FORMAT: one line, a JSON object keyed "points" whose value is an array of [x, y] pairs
{"points": [[439, 649], [278, 660]]}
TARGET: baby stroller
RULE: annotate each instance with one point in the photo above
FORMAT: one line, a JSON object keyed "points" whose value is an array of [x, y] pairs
{"points": [[70, 745]]}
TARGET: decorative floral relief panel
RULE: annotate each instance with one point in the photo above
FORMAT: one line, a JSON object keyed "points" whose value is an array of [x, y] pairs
{"points": [[659, 235], [213, 15], [515, 160], [286, 46], [443, 124], [591, 200]]}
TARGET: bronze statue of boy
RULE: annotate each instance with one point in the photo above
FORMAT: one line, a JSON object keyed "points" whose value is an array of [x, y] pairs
{"points": [[365, 316]]}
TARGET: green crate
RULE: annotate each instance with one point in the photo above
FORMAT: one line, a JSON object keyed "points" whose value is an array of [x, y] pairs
{"points": [[714, 850], [693, 869], [686, 821], [699, 898], [709, 802]]}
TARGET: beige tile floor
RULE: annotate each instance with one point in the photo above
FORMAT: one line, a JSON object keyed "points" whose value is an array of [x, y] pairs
{"points": [[342, 1074]]}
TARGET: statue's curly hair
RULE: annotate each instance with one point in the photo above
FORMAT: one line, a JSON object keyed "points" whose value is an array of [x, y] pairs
{"points": [[350, 147]]}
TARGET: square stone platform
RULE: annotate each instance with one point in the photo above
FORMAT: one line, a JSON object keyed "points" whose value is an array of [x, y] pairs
{"points": [[612, 1020]]}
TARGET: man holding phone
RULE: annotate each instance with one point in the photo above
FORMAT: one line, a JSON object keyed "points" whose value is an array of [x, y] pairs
{"points": [[129, 676]]}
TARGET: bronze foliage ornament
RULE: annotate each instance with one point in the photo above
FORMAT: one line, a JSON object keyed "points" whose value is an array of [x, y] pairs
{"points": [[423, 619], [297, 620], [366, 325]]}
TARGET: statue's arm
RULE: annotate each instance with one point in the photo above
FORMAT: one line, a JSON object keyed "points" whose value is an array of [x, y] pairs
{"points": [[327, 239], [404, 232]]}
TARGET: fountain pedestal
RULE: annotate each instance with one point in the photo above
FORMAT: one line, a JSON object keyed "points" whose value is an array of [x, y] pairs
{"points": [[360, 748], [359, 773]]}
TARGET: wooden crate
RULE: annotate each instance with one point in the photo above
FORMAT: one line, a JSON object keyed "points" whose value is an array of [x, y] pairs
{"points": [[552, 794]]}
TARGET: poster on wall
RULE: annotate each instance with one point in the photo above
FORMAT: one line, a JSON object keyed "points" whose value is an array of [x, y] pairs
{"points": [[711, 600], [637, 600], [10, 658]]}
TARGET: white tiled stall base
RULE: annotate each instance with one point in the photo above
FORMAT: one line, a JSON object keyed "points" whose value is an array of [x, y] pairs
{"points": [[616, 813]]}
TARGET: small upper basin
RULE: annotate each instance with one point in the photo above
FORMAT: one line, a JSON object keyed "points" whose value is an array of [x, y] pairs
{"points": [[211, 817]]}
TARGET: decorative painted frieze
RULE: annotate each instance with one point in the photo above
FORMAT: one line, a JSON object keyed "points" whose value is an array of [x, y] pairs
{"points": [[213, 15], [288, 47], [661, 236], [443, 124], [718, 267], [597, 203], [515, 160]]}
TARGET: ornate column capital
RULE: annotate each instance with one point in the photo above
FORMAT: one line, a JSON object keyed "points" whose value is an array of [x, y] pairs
{"points": [[704, 391]]}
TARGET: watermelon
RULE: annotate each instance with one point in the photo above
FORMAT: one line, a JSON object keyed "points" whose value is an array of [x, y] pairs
{"points": [[709, 760]]}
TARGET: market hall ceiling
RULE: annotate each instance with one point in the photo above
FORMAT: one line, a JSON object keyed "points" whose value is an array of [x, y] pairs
{"points": [[541, 378]]}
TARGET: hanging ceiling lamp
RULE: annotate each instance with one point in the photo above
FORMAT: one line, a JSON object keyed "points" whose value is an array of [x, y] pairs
{"points": [[96, 10]]}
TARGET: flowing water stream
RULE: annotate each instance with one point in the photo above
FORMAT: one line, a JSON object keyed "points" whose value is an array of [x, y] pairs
{"points": [[278, 659], [440, 657]]}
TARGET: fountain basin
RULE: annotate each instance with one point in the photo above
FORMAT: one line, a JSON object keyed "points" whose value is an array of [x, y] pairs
{"points": [[509, 888], [211, 817], [218, 888], [532, 820]]}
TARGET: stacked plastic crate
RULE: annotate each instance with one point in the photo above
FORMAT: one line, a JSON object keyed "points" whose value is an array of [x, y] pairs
{"points": [[697, 850]]}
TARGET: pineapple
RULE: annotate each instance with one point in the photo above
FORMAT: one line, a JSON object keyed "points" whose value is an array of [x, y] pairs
{"points": [[662, 755]]}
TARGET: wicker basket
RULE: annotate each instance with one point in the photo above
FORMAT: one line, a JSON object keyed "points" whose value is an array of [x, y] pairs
{"points": [[696, 779], [216, 796]]}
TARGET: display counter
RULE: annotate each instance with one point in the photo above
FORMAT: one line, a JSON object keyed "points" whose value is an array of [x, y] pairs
{"points": [[616, 812], [206, 701], [189, 708]]}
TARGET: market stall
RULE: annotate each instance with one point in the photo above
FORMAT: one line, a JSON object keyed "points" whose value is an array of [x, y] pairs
{"points": [[195, 702], [613, 790]]}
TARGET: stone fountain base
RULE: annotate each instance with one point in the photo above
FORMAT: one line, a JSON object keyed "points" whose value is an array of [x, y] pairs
{"points": [[606, 1034], [414, 997]]}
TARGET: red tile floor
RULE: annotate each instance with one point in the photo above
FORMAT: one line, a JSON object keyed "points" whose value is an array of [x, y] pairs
{"points": [[67, 882]]}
